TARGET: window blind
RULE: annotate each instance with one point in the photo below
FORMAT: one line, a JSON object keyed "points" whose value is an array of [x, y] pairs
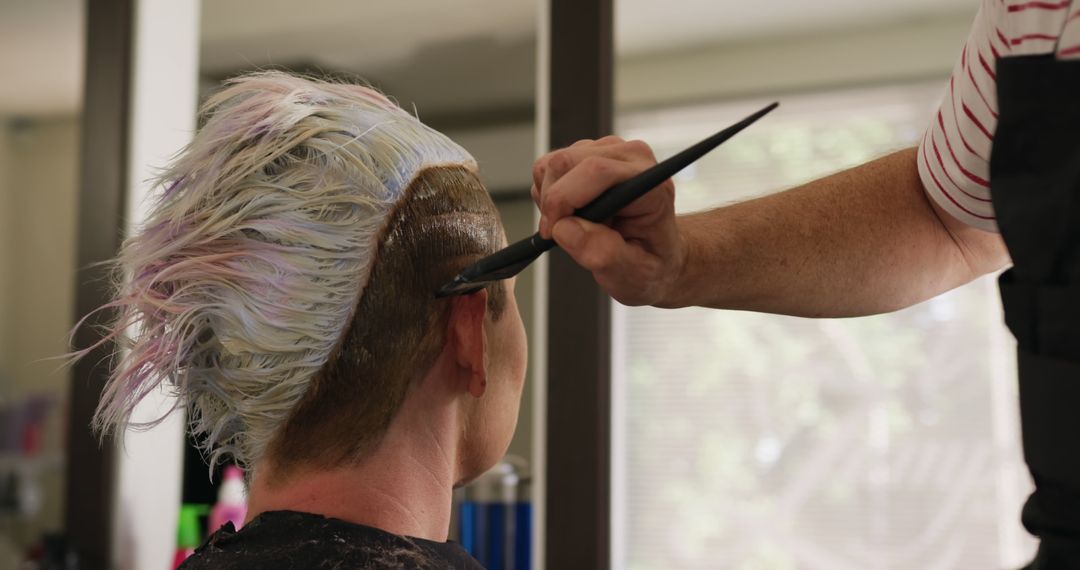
{"points": [[755, 441]]}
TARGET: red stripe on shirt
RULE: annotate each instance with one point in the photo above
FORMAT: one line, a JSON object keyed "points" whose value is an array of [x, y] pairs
{"points": [[941, 161], [974, 119], [948, 144], [990, 36], [1040, 6], [1066, 52], [1004, 40], [946, 193], [1043, 37], [986, 66], [956, 121], [983, 97]]}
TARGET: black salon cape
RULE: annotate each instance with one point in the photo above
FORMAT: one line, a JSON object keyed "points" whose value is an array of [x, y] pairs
{"points": [[291, 540]]}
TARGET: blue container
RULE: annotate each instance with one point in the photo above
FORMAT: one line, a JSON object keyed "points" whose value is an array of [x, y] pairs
{"points": [[495, 519]]}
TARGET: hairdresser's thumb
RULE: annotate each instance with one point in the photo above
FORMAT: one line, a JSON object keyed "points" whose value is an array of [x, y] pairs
{"points": [[569, 233], [593, 246]]}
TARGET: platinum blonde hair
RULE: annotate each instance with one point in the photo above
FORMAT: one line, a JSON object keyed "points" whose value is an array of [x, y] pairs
{"points": [[260, 240]]}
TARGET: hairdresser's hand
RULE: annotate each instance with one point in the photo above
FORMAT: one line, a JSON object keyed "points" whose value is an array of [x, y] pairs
{"points": [[638, 255]]}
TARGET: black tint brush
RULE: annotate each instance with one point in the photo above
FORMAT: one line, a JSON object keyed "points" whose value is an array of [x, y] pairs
{"points": [[512, 259]]}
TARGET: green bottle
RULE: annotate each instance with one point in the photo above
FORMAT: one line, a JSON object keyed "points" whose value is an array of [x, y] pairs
{"points": [[188, 532]]}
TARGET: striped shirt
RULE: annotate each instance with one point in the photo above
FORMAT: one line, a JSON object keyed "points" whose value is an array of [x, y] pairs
{"points": [[954, 156]]}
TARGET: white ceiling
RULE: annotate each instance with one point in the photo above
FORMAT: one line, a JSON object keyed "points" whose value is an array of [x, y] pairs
{"points": [[427, 47]]}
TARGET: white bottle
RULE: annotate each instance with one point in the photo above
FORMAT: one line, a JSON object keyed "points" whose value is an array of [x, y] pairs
{"points": [[232, 501]]}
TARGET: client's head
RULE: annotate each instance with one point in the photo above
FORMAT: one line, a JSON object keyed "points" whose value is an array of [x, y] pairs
{"points": [[283, 284]]}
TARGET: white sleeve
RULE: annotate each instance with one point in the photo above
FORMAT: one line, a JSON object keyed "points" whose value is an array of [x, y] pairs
{"points": [[954, 156], [1069, 44]]}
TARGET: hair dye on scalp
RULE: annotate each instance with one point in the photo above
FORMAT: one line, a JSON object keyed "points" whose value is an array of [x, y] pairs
{"points": [[276, 279], [445, 221]]}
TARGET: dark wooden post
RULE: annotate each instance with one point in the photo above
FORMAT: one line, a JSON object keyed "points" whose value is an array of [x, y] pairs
{"points": [[578, 498], [90, 466]]}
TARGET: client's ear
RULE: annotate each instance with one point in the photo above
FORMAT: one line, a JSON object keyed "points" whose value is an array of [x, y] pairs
{"points": [[468, 338]]}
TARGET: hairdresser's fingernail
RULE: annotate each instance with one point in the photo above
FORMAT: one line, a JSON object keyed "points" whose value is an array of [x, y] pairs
{"points": [[571, 234], [543, 225]]}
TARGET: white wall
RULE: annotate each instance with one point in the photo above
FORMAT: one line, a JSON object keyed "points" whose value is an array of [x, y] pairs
{"points": [[162, 120]]}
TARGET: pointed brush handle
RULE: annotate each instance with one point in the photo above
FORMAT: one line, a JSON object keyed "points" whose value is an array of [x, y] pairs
{"points": [[622, 194]]}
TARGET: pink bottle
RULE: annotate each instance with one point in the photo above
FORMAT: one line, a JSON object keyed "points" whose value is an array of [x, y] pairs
{"points": [[232, 501]]}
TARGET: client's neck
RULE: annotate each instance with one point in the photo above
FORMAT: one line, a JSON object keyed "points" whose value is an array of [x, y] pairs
{"points": [[404, 487]]}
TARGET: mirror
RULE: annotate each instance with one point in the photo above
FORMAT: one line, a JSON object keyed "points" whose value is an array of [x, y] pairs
{"points": [[40, 114]]}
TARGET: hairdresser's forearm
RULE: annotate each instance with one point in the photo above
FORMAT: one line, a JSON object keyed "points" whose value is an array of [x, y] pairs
{"points": [[860, 242]]}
